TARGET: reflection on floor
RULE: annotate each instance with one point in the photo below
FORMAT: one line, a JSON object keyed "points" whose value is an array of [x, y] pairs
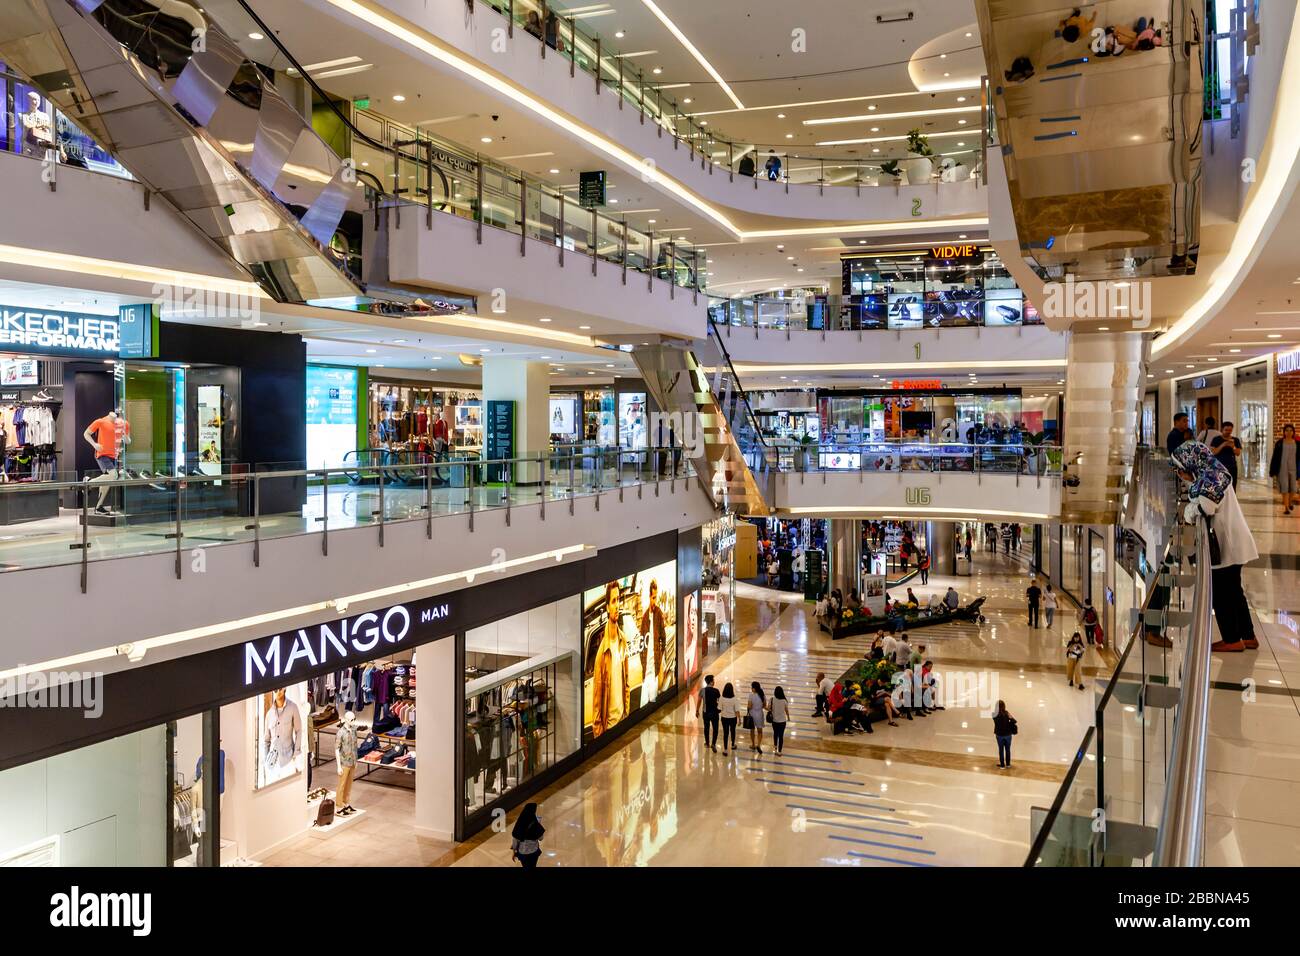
{"points": [[927, 793]]}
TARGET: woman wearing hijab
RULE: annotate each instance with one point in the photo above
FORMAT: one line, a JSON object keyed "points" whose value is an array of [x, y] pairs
{"points": [[1211, 495], [526, 837]]}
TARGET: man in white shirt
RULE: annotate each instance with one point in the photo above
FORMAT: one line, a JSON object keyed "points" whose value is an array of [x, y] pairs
{"points": [[902, 652], [889, 645], [823, 694]]}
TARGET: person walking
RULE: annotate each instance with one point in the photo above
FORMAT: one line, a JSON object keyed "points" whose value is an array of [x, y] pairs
{"points": [[1211, 495], [1004, 728], [1049, 604], [1282, 467], [756, 716], [1006, 539], [1089, 619], [526, 838], [923, 563], [729, 712], [779, 710], [1034, 594], [708, 702], [1074, 651]]}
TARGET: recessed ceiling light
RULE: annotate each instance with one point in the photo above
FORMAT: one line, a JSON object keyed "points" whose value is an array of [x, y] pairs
{"points": [[1103, 328], [687, 100], [962, 236], [875, 149], [1234, 351], [652, 221], [370, 351], [961, 99], [555, 172], [256, 36], [780, 116], [875, 129], [1190, 366], [614, 202], [1169, 371], [790, 258], [544, 320], [961, 122], [789, 135], [437, 358], [969, 35], [620, 34], [609, 366], [943, 56], [399, 98], [1275, 335], [658, 70], [584, 327], [704, 122], [961, 144], [862, 242], [485, 139], [871, 107]]}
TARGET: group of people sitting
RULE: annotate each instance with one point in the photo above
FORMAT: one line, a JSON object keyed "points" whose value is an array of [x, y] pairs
{"points": [[830, 606], [853, 708], [1112, 40]]}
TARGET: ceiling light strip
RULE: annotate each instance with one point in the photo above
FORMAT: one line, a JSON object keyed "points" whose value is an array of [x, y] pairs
{"points": [[690, 48]]}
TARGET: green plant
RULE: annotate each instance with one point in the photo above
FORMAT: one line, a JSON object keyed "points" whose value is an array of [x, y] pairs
{"points": [[917, 144], [890, 168]]}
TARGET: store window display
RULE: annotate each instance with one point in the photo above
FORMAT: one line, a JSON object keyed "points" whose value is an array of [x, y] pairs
{"points": [[521, 700], [109, 436]]}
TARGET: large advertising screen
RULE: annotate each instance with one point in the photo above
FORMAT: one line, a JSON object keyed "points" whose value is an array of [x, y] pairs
{"points": [[906, 310], [632, 424], [692, 656], [331, 415], [629, 649], [564, 417], [1004, 307]]}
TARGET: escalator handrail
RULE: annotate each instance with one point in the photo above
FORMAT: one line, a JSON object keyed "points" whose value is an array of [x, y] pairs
{"points": [[738, 389], [1181, 837]]}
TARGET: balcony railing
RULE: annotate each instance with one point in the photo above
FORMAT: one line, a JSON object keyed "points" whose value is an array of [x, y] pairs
{"points": [[157, 514], [771, 163], [904, 455], [424, 174]]}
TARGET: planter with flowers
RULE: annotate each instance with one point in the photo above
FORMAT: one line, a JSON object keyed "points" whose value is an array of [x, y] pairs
{"points": [[920, 164]]}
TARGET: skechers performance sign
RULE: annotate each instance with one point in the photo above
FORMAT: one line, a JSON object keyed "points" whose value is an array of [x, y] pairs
{"points": [[54, 332], [337, 643]]}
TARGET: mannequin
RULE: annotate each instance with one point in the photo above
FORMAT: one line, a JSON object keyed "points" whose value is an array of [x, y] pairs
{"points": [[345, 753], [109, 436]]}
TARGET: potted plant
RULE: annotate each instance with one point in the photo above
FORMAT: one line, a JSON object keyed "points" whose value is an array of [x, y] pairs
{"points": [[807, 448], [920, 166], [891, 170]]}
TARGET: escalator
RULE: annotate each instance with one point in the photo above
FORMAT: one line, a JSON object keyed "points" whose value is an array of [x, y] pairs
{"points": [[165, 89], [711, 418]]}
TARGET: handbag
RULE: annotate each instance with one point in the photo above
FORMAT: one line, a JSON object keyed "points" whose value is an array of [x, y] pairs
{"points": [[748, 722], [1216, 555]]}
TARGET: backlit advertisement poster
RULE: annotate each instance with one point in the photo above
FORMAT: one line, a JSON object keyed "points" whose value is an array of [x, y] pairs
{"points": [[948, 308], [281, 735], [1004, 307], [210, 423], [906, 310], [629, 628], [19, 372], [331, 415], [632, 420], [691, 657], [564, 419]]}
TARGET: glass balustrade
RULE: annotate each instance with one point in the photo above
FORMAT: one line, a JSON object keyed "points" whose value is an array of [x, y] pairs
{"points": [[136, 512]]}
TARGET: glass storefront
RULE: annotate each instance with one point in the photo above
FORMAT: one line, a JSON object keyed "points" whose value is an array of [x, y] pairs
{"points": [[1254, 427], [521, 700], [990, 417], [1074, 561], [97, 806], [409, 416]]}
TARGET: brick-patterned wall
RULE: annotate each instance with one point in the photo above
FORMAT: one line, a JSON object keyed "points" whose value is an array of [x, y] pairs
{"points": [[1286, 402]]}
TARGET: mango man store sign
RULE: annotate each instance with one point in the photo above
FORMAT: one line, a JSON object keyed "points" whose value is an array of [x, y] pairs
{"points": [[296, 655], [54, 332]]}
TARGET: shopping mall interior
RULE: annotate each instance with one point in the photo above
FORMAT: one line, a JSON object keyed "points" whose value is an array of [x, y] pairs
{"points": [[842, 381]]}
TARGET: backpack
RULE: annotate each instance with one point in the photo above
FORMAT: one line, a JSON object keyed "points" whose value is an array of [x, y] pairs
{"points": [[1090, 616], [325, 815]]}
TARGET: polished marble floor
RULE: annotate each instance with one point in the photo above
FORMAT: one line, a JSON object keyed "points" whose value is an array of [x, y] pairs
{"points": [[926, 793]]}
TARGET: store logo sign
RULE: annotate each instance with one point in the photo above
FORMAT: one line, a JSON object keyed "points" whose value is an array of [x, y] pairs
{"points": [[917, 496], [1288, 362], [66, 333], [332, 642]]}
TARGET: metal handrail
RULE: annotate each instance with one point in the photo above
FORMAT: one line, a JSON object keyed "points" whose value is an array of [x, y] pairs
{"points": [[1181, 837]]}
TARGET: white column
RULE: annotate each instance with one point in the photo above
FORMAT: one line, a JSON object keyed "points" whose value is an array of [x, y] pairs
{"points": [[1228, 410], [527, 384], [1167, 399], [436, 787]]}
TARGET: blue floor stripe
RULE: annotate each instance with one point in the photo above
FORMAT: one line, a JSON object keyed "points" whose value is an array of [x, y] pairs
{"points": [[803, 776], [785, 761], [889, 846], [809, 786], [852, 826], [888, 859], [843, 813], [800, 756]]}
